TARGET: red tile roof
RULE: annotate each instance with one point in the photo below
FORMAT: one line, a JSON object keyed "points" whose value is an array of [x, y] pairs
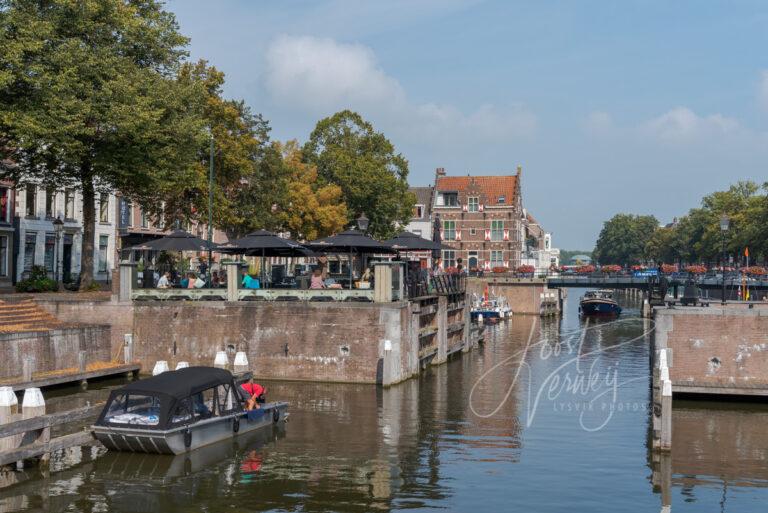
{"points": [[492, 187]]}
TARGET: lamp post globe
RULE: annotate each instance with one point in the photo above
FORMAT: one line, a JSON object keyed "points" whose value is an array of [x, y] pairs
{"points": [[362, 223]]}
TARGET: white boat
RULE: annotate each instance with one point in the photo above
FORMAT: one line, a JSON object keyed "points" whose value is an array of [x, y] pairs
{"points": [[180, 411], [490, 307]]}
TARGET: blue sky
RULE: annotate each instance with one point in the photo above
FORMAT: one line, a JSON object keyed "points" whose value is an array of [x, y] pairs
{"points": [[630, 106]]}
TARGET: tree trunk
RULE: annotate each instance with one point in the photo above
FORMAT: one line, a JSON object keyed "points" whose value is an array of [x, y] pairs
{"points": [[89, 231]]}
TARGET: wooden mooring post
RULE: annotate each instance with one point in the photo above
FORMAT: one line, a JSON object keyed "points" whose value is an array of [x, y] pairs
{"points": [[662, 402]]}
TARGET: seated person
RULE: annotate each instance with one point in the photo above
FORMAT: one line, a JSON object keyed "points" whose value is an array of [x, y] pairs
{"points": [[250, 282], [199, 408], [199, 282], [184, 282], [215, 279], [255, 393], [316, 281], [165, 281]]}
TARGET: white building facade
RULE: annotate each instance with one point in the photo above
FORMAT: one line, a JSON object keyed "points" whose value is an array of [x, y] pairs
{"points": [[39, 244]]}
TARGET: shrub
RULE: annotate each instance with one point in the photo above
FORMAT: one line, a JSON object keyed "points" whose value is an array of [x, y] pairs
{"points": [[38, 281]]}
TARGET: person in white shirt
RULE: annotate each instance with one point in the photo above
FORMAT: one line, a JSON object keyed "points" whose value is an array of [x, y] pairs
{"points": [[164, 282]]}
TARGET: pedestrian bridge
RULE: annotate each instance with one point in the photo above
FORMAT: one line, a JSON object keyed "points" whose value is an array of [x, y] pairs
{"points": [[642, 282]]}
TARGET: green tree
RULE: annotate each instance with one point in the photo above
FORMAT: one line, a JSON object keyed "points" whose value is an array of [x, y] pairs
{"points": [[89, 99], [349, 153], [623, 239]]}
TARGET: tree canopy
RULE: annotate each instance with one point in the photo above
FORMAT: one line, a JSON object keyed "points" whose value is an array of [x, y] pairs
{"points": [[349, 153], [623, 239], [89, 98]]}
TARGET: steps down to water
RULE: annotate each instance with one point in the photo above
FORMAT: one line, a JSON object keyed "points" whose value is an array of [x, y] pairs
{"points": [[25, 316]]}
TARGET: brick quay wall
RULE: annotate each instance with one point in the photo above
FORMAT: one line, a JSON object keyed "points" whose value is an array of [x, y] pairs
{"points": [[715, 349], [288, 340]]}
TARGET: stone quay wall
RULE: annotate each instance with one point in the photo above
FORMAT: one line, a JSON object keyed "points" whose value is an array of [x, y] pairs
{"points": [[289, 340], [524, 295], [53, 350], [715, 349]]}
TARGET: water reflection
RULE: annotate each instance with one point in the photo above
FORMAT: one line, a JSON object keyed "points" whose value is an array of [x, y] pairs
{"points": [[422, 444]]}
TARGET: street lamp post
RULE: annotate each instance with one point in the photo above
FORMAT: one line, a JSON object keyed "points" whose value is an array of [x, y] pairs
{"points": [[58, 228], [724, 222], [362, 223], [210, 213]]}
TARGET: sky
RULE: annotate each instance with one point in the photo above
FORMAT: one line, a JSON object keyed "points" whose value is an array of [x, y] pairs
{"points": [[633, 106]]}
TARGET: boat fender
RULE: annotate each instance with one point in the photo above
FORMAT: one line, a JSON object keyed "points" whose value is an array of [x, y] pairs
{"points": [[236, 424], [275, 415], [187, 438]]}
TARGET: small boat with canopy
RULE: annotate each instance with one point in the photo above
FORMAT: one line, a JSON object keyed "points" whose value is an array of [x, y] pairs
{"points": [[179, 411]]}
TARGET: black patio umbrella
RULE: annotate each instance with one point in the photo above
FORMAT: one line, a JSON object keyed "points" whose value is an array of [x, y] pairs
{"points": [[264, 243], [177, 240], [407, 241], [350, 241]]}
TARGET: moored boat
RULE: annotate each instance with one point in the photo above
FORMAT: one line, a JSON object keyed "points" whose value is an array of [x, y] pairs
{"points": [[599, 302], [180, 411], [489, 307]]}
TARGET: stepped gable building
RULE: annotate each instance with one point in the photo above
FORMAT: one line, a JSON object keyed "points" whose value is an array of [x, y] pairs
{"points": [[482, 217]]}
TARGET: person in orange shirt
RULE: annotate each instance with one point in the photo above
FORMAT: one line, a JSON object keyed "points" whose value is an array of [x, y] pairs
{"points": [[255, 394]]}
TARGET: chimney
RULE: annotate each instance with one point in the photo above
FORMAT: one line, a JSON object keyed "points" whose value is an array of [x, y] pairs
{"points": [[519, 170], [440, 171]]}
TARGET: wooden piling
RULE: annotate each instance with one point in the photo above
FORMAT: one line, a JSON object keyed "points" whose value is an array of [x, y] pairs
{"points": [[9, 412], [82, 365], [33, 405], [666, 416]]}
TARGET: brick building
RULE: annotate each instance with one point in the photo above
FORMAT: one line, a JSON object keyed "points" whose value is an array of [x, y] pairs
{"points": [[7, 232], [482, 217]]}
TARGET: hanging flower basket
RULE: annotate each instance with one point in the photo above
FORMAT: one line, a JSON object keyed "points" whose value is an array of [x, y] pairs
{"points": [[500, 269], [525, 269], [696, 269], [611, 269], [585, 269], [669, 268], [755, 270]]}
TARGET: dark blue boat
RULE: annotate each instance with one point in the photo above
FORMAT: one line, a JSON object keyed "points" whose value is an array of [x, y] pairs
{"points": [[599, 302]]}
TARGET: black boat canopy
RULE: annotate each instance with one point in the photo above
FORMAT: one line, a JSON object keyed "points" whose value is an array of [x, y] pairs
{"points": [[181, 383], [154, 402]]}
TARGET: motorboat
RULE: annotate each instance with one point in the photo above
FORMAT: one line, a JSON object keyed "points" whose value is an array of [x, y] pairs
{"points": [[598, 302], [489, 307], [179, 411]]}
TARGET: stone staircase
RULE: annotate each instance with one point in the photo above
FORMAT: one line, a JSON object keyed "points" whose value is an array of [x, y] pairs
{"points": [[26, 316]]}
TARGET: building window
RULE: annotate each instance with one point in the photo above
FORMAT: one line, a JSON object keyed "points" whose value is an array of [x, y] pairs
{"points": [[31, 200], [473, 204], [30, 244], [451, 199], [502, 200], [497, 258], [449, 258], [5, 205], [473, 231], [418, 211], [126, 213], [69, 204], [449, 230], [144, 219], [4, 255], [497, 230], [103, 208], [50, 203], [103, 245], [50, 255]]}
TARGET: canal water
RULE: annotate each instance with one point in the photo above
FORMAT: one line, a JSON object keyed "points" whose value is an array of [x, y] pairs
{"points": [[548, 415]]}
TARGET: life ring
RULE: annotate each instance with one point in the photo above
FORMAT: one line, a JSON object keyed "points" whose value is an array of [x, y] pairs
{"points": [[236, 424], [187, 438], [275, 414]]}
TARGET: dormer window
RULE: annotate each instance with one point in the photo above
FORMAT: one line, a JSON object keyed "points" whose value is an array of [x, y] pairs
{"points": [[448, 199], [502, 200]]}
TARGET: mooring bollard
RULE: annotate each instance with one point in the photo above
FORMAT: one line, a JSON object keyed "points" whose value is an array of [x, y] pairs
{"points": [[241, 362], [9, 410], [160, 367], [128, 348], [182, 365], [221, 361], [82, 366], [666, 416], [27, 368], [33, 405], [479, 318]]}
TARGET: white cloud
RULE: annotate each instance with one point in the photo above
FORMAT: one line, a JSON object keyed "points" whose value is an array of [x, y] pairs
{"points": [[320, 75], [681, 124], [599, 123], [762, 94]]}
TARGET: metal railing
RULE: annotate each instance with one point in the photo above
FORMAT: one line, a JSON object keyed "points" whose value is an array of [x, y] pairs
{"points": [[420, 286]]}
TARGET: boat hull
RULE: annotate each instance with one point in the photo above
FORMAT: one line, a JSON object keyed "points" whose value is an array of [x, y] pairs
{"points": [[595, 307], [185, 439]]}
